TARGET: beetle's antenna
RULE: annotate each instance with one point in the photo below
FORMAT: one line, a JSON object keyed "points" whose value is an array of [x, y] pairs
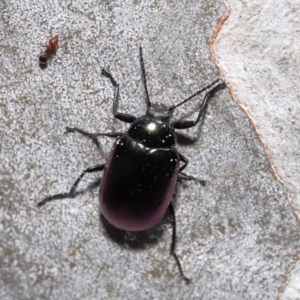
{"points": [[144, 78], [197, 93]]}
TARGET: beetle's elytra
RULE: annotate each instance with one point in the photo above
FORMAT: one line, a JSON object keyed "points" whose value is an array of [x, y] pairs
{"points": [[141, 171]]}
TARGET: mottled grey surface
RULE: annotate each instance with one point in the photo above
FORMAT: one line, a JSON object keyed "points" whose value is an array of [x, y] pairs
{"points": [[236, 236], [258, 53]]}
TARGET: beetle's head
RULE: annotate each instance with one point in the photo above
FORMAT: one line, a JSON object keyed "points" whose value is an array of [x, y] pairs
{"points": [[159, 111]]}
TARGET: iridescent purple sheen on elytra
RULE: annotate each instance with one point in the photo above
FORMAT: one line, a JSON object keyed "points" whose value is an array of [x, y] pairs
{"points": [[140, 176]]}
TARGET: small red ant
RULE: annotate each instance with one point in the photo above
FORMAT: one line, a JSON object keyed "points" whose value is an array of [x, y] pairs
{"points": [[51, 47]]}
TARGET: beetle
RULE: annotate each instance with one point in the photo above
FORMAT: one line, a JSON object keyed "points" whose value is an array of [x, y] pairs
{"points": [[142, 168]]}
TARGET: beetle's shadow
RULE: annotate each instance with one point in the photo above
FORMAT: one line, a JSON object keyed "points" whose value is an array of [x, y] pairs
{"points": [[188, 139], [136, 240], [184, 139]]}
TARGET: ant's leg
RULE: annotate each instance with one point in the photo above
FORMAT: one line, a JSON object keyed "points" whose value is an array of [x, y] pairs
{"points": [[144, 78], [123, 117], [51, 36], [93, 136], [173, 245], [188, 124], [72, 192]]}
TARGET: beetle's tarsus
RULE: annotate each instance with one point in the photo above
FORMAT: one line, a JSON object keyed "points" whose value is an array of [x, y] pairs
{"points": [[69, 129], [173, 244]]}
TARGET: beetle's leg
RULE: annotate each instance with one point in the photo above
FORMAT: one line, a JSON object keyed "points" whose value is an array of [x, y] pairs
{"points": [[185, 176], [189, 177], [121, 116], [188, 124], [72, 192], [173, 245], [184, 160], [93, 136], [144, 78]]}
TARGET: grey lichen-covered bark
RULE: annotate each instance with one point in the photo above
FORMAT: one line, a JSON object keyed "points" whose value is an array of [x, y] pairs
{"points": [[258, 52]]}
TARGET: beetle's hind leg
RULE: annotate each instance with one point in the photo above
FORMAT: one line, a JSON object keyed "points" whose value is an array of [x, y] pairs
{"points": [[173, 245], [93, 136], [72, 193]]}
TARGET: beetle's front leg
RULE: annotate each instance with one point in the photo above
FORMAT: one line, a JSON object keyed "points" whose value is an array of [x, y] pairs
{"points": [[121, 116], [188, 124], [93, 136], [72, 192]]}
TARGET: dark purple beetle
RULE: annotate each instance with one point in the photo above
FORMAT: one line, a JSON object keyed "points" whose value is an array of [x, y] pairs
{"points": [[140, 175], [141, 171]]}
